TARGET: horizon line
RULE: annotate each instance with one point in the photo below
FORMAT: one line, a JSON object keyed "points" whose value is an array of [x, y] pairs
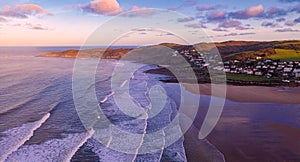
{"points": [[282, 40]]}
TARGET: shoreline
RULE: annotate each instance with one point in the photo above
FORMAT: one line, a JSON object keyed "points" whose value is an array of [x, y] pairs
{"points": [[200, 149], [228, 141], [256, 94]]}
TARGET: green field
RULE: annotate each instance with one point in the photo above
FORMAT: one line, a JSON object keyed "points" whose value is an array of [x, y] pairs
{"points": [[248, 78], [285, 55]]}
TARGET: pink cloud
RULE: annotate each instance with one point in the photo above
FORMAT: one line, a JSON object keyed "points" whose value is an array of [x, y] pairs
{"points": [[254, 11], [185, 19], [103, 7], [287, 30], [243, 28], [195, 26], [290, 23], [275, 12], [23, 11], [220, 30], [35, 26], [137, 11], [216, 16], [230, 24]]}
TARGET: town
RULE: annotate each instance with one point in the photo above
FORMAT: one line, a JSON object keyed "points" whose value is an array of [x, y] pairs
{"points": [[286, 71]]}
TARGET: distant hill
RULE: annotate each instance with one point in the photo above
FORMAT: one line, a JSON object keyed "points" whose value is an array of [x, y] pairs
{"points": [[108, 53], [241, 50], [229, 50]]}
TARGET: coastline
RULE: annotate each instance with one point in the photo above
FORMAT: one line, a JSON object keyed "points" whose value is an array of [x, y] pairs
{"points": [[240, 145], [263, 94], [200, 149]]}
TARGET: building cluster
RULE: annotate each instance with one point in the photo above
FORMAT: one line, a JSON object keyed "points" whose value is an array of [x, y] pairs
{"points": [[286, 70]]}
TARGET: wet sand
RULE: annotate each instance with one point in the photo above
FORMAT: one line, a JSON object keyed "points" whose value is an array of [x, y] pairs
{"points": [[200, 149], [257, 124], [282, 95]]}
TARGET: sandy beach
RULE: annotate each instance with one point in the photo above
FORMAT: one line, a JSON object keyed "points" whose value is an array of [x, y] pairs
{"points": [[259, 124], [200, 149], [281, 95]]}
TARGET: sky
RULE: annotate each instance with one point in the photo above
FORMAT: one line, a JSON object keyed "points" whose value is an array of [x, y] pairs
{"points": [[142, 22]]}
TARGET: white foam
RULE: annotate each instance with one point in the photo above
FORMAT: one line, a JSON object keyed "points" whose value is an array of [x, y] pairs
{"points": [[16, 137], [52, 150], [123, 84], [107, 154], [72, 153], [106, 97]]}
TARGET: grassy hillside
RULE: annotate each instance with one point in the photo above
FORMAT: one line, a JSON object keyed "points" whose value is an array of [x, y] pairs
{"points": [[285, 55], [279, 50]]}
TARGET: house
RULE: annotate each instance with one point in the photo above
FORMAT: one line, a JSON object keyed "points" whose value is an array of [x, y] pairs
{"points": [[268, 61], [250, 72], [297, 72], [285, 81], [287, 69], [259, 73], [226, 70]]}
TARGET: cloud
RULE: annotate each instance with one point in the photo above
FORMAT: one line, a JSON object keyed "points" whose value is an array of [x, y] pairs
{"points": [[250, 33], [207, 7], [165, 34], [103, 7], [235, 34], [243, 28], [275, 12], [23, 11], [296, 8], [216, 16], [290, 23], [230, 34], [287, 30], [230, 24], [280, 19], [289, 1], [185, 19], [35, 26], [2, 19], [254, 11], [269, 24], [195, 26], [137, 11], [220, 30], [186, 3], [297, 20], [142, 29]]}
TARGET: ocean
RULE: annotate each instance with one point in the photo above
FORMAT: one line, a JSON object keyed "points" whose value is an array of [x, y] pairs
{"points": [[39, 121]]}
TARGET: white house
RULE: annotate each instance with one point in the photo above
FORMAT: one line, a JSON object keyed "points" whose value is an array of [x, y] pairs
{"points": [[297, 73]]}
